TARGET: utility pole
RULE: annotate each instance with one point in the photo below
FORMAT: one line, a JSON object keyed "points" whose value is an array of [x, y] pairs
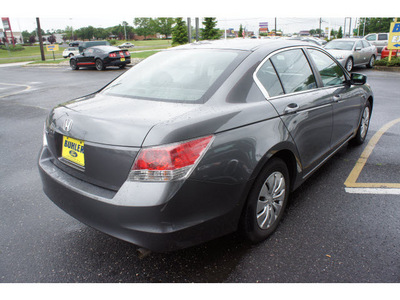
{"points": [[40, 39], [189, 26], [197, 29], [275, 26], [320, 21]]}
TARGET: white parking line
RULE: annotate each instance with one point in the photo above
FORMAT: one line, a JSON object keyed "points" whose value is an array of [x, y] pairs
{"points": [[379, 191]]}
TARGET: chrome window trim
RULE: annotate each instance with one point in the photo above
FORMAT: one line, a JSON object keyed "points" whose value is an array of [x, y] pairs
{"points": [[303, 48]]}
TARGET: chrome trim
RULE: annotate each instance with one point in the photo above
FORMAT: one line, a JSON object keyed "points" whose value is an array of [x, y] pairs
{"points": [[304, 48]]}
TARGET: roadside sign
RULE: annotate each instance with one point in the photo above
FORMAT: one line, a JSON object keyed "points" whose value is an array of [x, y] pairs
{"points": [[52, 47], [394, 37]]}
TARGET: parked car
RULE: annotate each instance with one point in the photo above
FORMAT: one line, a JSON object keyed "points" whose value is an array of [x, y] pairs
{"points": [[385, 53], [84, 45], [379, 40], [313, 40], [352, 52], [201, 140], [126, 45], [70, 51], [100, 57]]}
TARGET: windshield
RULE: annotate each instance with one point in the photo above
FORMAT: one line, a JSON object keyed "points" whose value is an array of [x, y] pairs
{"points": [[181, 75], [340, 45]]}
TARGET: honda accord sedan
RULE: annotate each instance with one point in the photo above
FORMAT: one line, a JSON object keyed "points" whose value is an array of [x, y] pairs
{"points": [[100, 57], [202, 140]]}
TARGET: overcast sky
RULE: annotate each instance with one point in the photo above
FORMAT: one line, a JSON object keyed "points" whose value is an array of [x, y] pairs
{"points": [[292, 16]]}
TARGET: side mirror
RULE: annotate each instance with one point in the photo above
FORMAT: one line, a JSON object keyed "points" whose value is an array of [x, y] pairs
{"points": [[358, 79]]}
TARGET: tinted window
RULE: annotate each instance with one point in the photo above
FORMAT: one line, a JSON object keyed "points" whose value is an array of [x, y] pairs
{"points": [[268, 78], [382, 37], [331, 73], [180, 75], [294, 71]]}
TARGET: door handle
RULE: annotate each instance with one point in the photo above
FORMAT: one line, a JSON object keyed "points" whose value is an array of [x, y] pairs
{"points": [[291, 108], [336, 98]]}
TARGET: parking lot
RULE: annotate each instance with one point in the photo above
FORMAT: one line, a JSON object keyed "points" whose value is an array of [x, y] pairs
{"points": [[342, 225]]}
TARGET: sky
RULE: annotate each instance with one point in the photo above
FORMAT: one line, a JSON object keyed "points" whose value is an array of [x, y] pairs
{"points": [[292, 16]]}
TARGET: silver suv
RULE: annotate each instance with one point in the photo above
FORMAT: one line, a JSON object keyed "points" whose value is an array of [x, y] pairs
{"points": [[379, 40]]}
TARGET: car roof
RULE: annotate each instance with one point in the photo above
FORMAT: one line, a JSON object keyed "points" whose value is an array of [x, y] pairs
{"points": [[243, 44]]}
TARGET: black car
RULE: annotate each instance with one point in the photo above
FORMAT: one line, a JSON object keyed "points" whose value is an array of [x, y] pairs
{"points": [[101, 57], [201, 140]]}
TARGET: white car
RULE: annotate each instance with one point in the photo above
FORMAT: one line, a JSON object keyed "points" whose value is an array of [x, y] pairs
{"points": [[126, 45], [70, 51]]}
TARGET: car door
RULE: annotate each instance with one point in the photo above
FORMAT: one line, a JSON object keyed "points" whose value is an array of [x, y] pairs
{"points": [[347, 103], [358, 53], [289, 84], [87, 57]]}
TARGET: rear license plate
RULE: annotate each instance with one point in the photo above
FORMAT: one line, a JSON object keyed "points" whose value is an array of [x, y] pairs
{"points": [[122, 59], [73, 150]]}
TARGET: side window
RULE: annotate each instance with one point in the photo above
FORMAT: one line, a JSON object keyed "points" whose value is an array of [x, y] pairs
{"points": [[331, 73], [371, 37], [268, 78], [382, 37], [294, 71], [366, 44], [359, 45]]}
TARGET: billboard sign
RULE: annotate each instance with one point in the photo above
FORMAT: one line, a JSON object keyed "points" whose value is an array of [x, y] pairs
{"points": [[6, 23]]}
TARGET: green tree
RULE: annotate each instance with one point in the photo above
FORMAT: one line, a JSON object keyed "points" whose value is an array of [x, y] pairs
{"points": [[164, 25], [340, 33], [179, 33], [144, 26], [240, 34], [210, 32], [373, 25]]}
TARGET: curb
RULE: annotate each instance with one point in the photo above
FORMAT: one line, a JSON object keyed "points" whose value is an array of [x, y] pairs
{"points": [[388, 69]]}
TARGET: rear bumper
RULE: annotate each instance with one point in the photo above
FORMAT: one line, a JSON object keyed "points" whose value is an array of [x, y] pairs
{"points": [[158, 216], [117, 62]]}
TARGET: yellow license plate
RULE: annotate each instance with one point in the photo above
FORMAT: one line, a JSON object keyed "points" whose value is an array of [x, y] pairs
{"points": [[122, 59], [73, 150]]}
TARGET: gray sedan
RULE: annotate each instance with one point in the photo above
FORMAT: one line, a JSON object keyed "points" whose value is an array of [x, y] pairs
{"points": [[352, 52], [202, 140]]}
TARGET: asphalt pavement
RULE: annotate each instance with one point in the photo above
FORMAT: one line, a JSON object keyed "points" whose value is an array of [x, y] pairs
{"points": [[327, 235]]}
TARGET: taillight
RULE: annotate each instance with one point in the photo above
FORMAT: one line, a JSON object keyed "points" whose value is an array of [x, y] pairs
{"points": [[121, 54], [169, 162], [112, 55], [127, 53]]}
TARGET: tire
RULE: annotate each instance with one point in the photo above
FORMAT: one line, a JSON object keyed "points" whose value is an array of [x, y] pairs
{"points": [[364, 126], [266, 201], [72, 63], [99, 65], [371, 62], [349, 64], [70, 55]]}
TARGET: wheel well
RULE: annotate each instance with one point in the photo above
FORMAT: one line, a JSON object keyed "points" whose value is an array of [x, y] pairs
{"points": [[371, 101], [290, 161]]}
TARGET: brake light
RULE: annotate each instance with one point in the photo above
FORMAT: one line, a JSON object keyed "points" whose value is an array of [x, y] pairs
{"points": [[112, 55], [169, 162], [127, 53]]}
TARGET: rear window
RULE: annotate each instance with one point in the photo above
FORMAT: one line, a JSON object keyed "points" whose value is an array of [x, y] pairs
{"points": [[382, 37], [177, 75]]}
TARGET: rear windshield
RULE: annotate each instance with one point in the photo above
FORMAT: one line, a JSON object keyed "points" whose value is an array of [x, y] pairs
{"points": [[177, 75]]}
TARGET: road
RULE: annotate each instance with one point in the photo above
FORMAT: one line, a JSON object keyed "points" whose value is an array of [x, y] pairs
{"points": [[327, 234]]}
